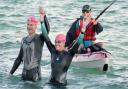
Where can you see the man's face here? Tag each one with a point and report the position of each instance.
(87, 14)
(31, 27)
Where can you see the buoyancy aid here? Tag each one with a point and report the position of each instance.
(89, 33)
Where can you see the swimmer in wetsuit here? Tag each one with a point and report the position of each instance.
(60, 58)
(31, 51)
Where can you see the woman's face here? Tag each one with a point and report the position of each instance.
(59, 45)
(31, 27)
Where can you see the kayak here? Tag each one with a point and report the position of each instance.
(99, 59)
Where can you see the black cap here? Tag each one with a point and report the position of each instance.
(86, 8)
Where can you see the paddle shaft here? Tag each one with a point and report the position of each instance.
(100, 14)
(105, 10)
(92, 22)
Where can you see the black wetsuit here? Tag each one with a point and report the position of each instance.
(60, 61)
(30, 53)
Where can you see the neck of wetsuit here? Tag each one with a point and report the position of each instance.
(59, 52)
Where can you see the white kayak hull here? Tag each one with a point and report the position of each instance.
(100, 59)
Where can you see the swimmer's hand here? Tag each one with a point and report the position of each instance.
(42, 13)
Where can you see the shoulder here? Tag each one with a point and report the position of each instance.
(77, 19)
(24, 38)
(37, 36)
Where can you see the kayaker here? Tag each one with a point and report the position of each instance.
(31, 51)
(87, 36)
(60, 58)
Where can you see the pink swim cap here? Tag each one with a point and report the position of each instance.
(33, 19)
(60, 37)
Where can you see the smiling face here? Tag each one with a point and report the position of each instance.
(59, 45)
(31, 27)
(60, 42)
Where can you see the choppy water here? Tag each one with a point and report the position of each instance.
(61, 13)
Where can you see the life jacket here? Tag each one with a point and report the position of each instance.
(89, 33)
